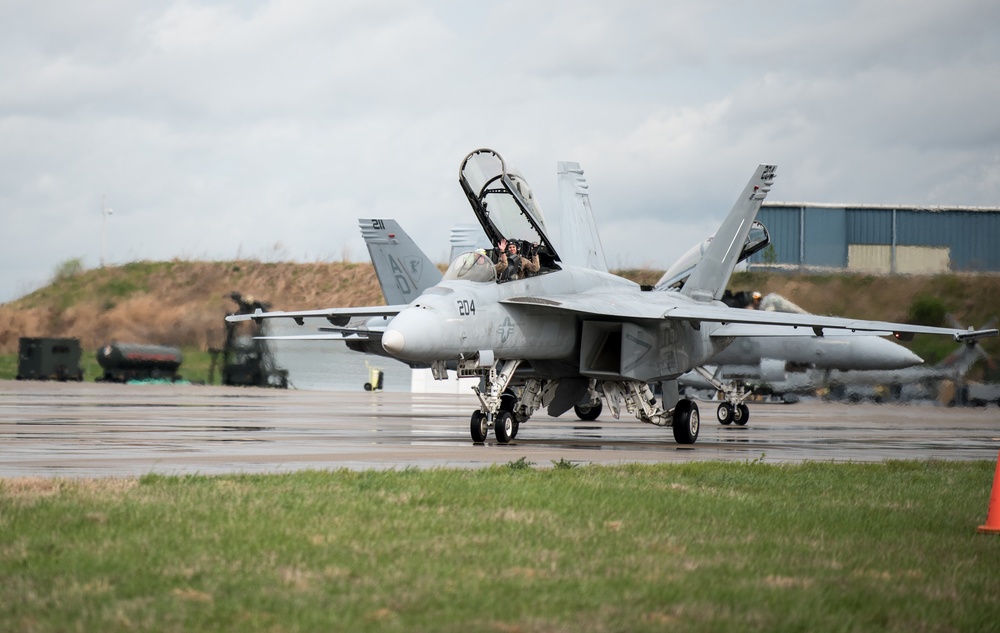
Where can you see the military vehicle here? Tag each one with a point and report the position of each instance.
(247, 360)
(49, 359)
(125, 362)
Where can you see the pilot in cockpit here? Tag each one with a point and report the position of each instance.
(513, 265)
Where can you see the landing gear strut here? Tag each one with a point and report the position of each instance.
(497, 402)
(734, 408)
(729, 413)
(684, 418)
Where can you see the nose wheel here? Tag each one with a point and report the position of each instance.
(729, 413)
(505, 426)
(480, 427)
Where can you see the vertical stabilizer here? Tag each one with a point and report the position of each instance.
(580, 242)
(403, 271)
(709, 278)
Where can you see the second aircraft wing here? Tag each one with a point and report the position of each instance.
(648, 306)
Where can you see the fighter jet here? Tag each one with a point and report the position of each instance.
(748, 360)
(791, 360)
(908, 383)
(575, 329)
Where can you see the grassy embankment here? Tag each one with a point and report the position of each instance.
(177, 303)
(696, 547)
(183, 303)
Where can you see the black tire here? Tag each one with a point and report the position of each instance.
(741, 415)
(479, 427)
(687, 422)
(368, 386)
(503, 426)
(589, 412)
(725, 413)
(508, 402)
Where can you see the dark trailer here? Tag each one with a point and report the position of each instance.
(123, 362)
(49, 359)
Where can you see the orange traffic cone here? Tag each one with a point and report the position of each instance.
(993, 513)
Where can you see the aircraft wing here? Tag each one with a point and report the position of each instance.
(757, 329)
(816, 323)
(336, 316)
(733, 320)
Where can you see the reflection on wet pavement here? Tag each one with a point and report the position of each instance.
(92, 430)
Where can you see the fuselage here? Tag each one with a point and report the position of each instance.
(459, 318)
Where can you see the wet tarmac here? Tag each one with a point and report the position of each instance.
(98, 430)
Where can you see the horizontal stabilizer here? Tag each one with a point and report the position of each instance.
(336, 316)
(305, 337)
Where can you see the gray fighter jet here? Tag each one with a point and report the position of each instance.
(748, 360)
(577, 331)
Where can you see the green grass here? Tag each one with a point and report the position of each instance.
(194, 368)
(694, 547)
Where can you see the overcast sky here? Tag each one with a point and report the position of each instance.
(219, 130)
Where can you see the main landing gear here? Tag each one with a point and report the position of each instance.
(684, 419)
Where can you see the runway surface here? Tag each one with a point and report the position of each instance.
(98, 430)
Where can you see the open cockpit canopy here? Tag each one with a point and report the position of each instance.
(504, 204)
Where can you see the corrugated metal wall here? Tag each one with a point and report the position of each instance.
(783, 226)
(822, 235)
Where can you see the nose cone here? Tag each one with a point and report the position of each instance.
(417, 334)
(880, 353)
(393, 342)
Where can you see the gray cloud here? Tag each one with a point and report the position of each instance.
(218, 129)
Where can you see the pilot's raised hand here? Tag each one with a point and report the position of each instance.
(503, 244)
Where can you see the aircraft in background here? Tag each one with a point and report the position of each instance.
(909, 383)
(944, 382)
(784, 361)
(572, 328)
(404, 272)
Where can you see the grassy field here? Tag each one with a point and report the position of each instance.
(694, 547)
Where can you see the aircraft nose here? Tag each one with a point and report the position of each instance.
(415, 334)
(393, 342)
(885, 354)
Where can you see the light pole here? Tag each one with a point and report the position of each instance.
(105, 212)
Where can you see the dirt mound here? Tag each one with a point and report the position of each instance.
(183, 303)
(176, 303)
